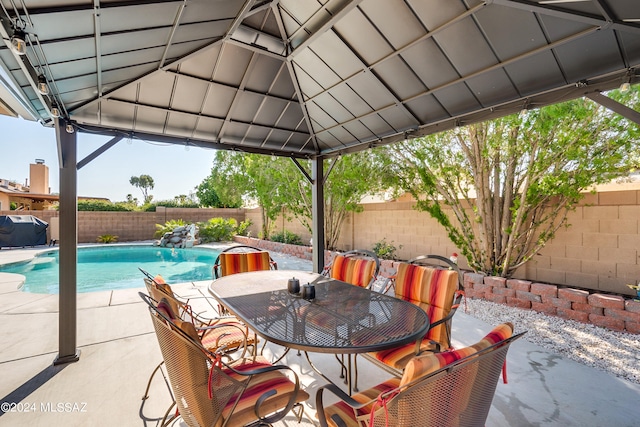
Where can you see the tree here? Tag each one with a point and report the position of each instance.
(208, 195)
(144, 183)
(350, 178)
(510, 183)
(237, 176)
(275, 183)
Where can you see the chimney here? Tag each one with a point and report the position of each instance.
(39, 177)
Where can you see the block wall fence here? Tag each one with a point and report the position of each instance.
(614, 312)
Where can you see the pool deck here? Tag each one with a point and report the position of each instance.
(119, 351)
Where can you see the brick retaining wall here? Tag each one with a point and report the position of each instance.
(613, 312)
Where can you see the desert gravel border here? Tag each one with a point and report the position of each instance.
(617, 353)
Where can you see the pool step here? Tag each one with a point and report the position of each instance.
(42, 262)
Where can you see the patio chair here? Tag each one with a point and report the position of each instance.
(452, 388)
(242, 259)
(438, 292)
(211, 392)
(358, 267)
(225, 334)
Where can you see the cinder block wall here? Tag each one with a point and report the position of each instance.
(599, 250)
(133, 226)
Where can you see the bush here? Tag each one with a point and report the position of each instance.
(243, 228)
(104, 205)
(107, 238)
(151, 206)
(217, 230)
(385, 250)
(287, 237)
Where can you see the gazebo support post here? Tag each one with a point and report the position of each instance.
(317, 213)
(67, 158)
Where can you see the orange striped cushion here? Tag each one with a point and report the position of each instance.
(230, 337)
(433, 290)
(356, 271)
(423, 365)
(398, 357)
(258, 384)
(232, 263)
(347, 413)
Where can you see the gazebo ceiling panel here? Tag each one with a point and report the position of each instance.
(465, 47)
(188, 95)
(394, 20)
(337, 55)
(598, 52)
(207, 128)
(317, 69)
(512, 33)
(266, 71)
(399, 78)
(435, 13)
(351, 99)
(201, 65)
(362, 37)
(218, 101)
(246, 106)
(232, 65)
(490, 87)
(427, 108)
(535, 73)
(430, 64)
(371, 90)
(457, 99)
(309, 77)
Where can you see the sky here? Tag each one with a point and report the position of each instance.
(174, 170)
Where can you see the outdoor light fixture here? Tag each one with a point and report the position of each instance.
(43, 87)
(626, 83)
(55, 111)
(18, 43)
(70, 128)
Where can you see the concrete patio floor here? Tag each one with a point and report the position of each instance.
(119, 351)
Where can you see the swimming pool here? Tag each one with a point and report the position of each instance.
(116, 267)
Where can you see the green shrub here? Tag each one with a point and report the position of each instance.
(151, 206)
(385, 250)
(287, 237)
(169, 226)
(104, 205)
(243, 228)
(217, 230)
(107, 238)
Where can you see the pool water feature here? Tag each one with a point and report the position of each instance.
(116, 267)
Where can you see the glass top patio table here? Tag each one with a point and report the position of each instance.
(342, 319)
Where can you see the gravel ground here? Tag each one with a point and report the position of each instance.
(615, 352)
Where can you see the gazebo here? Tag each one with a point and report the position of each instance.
(306, 79)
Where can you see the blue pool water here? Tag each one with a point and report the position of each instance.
(116, 267)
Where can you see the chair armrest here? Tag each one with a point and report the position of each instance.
(322, 417)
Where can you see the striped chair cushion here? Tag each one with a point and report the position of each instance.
(349, 415)
(229, 337)
(457, 397)
(423, 365)
(232, 263)
(356, 271)
(258, 384)
(433, 290)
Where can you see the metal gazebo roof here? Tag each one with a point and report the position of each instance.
(300, 78)
(307, 78)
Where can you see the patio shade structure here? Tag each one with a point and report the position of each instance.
(306, 79)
